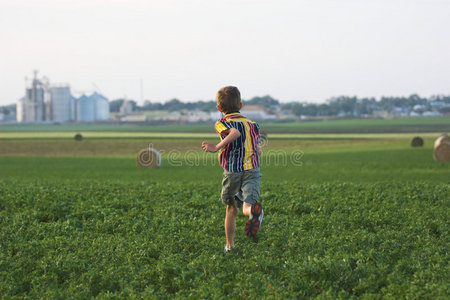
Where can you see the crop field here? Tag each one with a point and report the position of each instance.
(399, 125)
(346, 216)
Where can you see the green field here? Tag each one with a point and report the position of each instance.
(346, 216)
(406, 125)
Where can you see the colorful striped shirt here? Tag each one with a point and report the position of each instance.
(241, 154)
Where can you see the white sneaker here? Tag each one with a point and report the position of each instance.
(226, 249)
(260, 218)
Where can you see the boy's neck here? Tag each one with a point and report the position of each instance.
(232, 112)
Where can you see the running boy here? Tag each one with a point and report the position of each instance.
(239, 152)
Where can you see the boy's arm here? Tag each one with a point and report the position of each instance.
(232, 135)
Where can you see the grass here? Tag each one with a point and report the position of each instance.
(305, 161)
(362, 217)
(165, 240)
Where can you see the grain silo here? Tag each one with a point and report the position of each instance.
(73, 108)
(61, 104)
(85, 109)
(101, 106)
(20, 110)
(34, 109)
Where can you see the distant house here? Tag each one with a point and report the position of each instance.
(431, 114)
(255, 112)
(134, 117)
(201, 116)
(437, 104)
(379, 113)
(402, 111)
(418, 107)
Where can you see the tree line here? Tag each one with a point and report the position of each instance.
(343, 105)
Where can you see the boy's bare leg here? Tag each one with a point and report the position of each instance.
(246, 208)
(230, 224)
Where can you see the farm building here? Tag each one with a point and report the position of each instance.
(255, 112)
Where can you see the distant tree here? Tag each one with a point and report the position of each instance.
(305, 109)
(323, 109)
(297, 109)
(266, 101)
(310, 110)
(151, 106)
(444, 110)
(207, 106)
(134, 105)
(350, 106)
(174, 105)
(365, 106)
(5, 111)
(114, 105)
(445, 99)
(288, 105)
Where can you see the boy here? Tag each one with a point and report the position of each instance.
(239, 152)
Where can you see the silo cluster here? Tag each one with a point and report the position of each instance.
(54, 103)
(92, 108)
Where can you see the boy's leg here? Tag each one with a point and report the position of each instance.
(230, 224)
(231, 184)
(251, 208)
(246, 208)
(251, 181)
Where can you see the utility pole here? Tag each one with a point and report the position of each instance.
(142, 92)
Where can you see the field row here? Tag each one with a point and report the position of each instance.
(405, 125)
(183, 135)
(58, 144)
(352, 162)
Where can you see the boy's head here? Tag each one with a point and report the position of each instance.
(228, 99)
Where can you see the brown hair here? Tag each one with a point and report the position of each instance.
(229, 99)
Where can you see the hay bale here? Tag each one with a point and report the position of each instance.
(442, 148)
(78, 137)
(263, 139)
(148, 158)
(417, 142)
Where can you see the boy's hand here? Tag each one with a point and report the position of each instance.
(209, 147)
(259, 149)
(232, 135)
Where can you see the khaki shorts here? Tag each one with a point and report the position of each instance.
(241, 186)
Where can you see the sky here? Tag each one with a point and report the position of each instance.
(293, 50)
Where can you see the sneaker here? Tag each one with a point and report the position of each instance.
(255, 220)
(226, 249)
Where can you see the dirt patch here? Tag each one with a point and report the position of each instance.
(97, 147)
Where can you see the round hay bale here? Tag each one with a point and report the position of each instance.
(148, 158)
(417, 142)
(442, 148)
(263, 139)
(78, 137)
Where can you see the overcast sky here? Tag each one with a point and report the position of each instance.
(187, 49)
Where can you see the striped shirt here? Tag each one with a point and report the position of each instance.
(241, 154)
